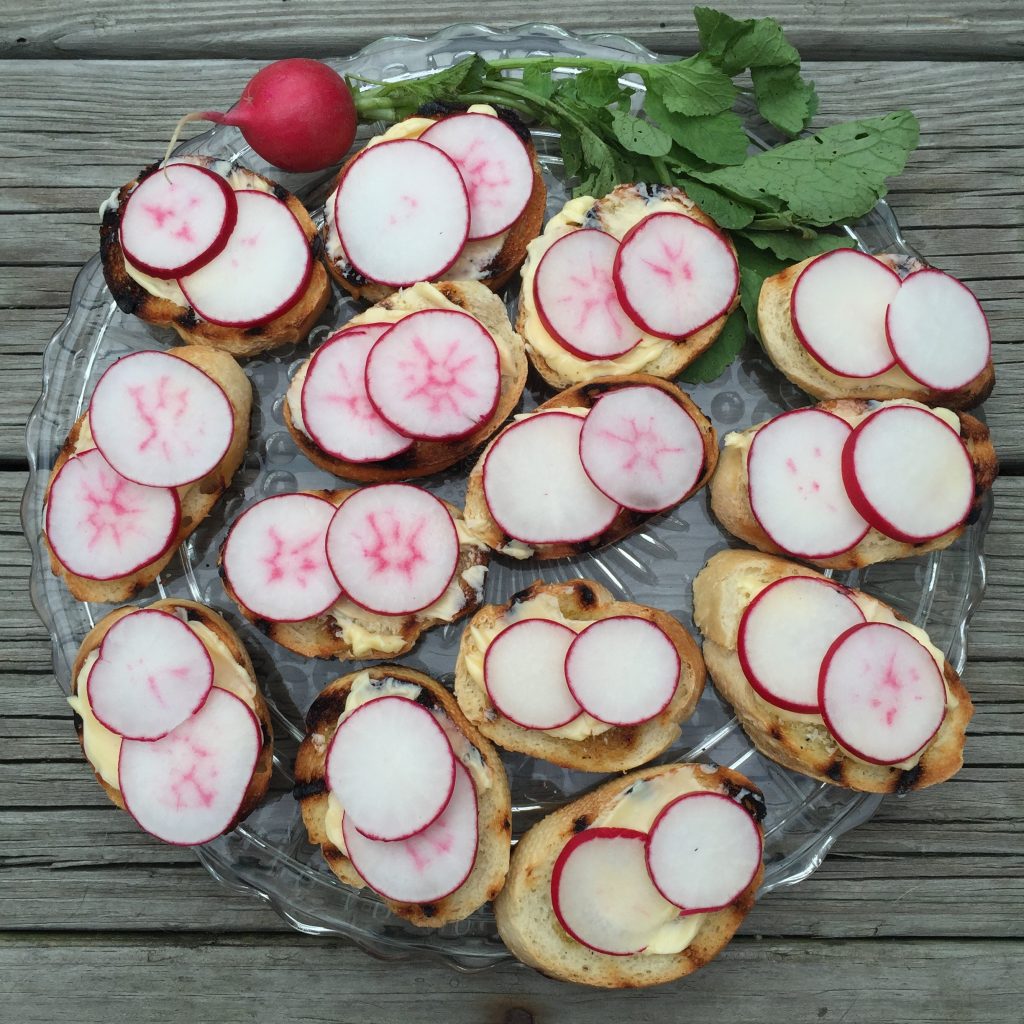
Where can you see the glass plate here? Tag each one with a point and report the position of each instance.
(268, 855)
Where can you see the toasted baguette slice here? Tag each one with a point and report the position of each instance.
(196, 498)
(583, 396)
(427, 457)
(211, 620)
(620, 747)
(789, 355)
(721, 592)
(291, 326)
(494, 808)
(730, 492)
(500, 266)
(527, 922)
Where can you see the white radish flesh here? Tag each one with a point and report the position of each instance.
(838, 309)
(393, 548)
(402, 212)
(391, 767)
(642, 449)
(881, 693)
(797, 493)
(674, 275)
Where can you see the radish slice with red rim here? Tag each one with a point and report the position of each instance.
(435, 376)
(909, 474)
(937, 331)
(393, 548)
(391, 767)
(402, 212)
(262, 271)
(188, 787)
(838, 309)
(641, 448)
(797, 494)
(275, 558)
(429, 865)
(101, 526)
(535, 485)
(703, 850)
(336, 410)
(576, 300)
(495, 167)
(151, 674)
(881, 693)
(159, 420)
(524, 674)
(674, 275)
(177, 220)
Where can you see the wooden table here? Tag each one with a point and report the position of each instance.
(917, 916)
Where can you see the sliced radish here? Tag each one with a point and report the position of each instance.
(187, 787)
(784, 634)
(402, 212)
(796, 484)
(703, 850)
(336, 411)
(937, 330)
(393, 548)
(908, 474)
(102, 526)
(673, 275)
(881, 693)
(623, 670)
(838, 309)
(524, 674)
(435, 375)
(159, 420)
(152, 673)
(261, 273)
(641, 448)
(177, 220)
(391, 767)
(429, 865)
(576, 299)
(535, 485)
(276, 561)
(495, 167)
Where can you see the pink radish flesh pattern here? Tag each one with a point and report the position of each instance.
(391, 767)
(262, 271)
(429, 865)
(623, 670)
(276, 561)
(393, 548)
(784, 635)
(495, 167)
(159, 420)
(435, 375)
(152, 673)
(703, 850)
(642, 449)
(797, 494)
(102, 526)
(674, 275)
(937, 331)
(402, 212)
(187, 787)
(576, 300)
(881, 693)
(524, 674)
(838, 310)
(908, 474)
(336, 410)
(535, 485)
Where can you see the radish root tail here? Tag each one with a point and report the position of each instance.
(197, 116)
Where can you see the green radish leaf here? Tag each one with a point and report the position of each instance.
(711, 363)
(784, 98)
(755, 265)
(539, 81)
(793, 248)
(725, 212)
(714, 138)
(640, 136)
(693, 86)
(599, 88)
